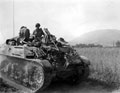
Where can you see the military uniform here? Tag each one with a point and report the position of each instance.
(38, 32)
(36, 42)
(24, 35)
(37, 37)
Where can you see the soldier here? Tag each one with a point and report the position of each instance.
(22, 31)
(24, 35)
(38, 32)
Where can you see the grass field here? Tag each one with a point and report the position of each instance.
(105, 64)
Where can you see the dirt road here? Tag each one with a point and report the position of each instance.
(89, 86)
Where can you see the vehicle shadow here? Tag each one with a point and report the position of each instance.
(88, 86)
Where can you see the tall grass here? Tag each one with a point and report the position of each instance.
(105, 64)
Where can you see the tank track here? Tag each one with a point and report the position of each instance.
(27, 82)
(5, 88)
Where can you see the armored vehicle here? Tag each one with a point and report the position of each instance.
(30, 68)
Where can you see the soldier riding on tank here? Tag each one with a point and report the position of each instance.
(22, 39)
(38, 32)
(24, 35)
(38, 35)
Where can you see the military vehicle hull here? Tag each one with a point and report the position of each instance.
(20, 69)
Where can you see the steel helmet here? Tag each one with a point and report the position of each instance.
(37, 25)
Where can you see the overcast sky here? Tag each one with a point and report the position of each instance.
(64, 18)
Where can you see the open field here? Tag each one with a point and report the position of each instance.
(105, 64)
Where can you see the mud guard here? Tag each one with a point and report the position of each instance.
(47, 66)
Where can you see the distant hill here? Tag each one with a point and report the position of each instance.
(106, 37)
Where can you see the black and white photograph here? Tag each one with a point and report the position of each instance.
(59, 46)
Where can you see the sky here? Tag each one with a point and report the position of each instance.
(63, 18)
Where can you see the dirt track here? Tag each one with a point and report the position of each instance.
(89, 86)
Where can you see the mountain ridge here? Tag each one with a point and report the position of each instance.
(105, 37)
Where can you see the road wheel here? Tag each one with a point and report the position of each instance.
(39, 80)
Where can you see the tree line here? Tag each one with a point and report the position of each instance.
(87, 45)
(80, 45)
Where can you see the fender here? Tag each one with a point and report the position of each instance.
(85, 60)
(47, 66)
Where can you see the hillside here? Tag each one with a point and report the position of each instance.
(106, 37)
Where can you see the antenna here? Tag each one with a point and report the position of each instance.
(13, 21)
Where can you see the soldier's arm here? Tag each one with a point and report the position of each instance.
(34, 32)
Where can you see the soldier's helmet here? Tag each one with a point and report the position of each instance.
(37, 25)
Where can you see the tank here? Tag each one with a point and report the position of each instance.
(29, 68)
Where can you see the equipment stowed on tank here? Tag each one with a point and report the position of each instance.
(30, 68)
